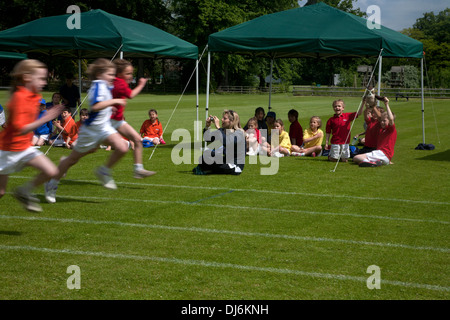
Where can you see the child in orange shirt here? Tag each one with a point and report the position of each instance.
(67, 127)
(29, 77)
(152, 129)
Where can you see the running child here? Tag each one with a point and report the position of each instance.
(96, 129)
(122, 90)
(29, 78)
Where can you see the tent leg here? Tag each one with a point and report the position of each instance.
(196, 92)
(423, 103)
(80, 82)
(379, 78)
(270, 84)
(207, 85)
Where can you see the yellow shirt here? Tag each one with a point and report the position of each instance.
(284, 140)
(309, 134)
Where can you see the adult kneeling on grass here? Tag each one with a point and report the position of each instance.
(228, 154)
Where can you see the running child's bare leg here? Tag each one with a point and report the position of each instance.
(3, 184)
(128, 132)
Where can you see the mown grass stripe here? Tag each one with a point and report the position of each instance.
(264, 191)
(228, 232)
(213, 264)
(254, 208)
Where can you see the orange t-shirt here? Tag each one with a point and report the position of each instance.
(70, 129)
(23, 109)
(151, 130)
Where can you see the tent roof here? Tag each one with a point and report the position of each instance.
(12, 55)
(317, 30)
(101, 35)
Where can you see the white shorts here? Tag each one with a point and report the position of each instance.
(116, 124)
(336, 149)
(12, 161)
(377, 155)
(42, 136)
(91, 137)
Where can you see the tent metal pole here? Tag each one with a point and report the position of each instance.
(270, 83)
(423, 103)
(196, 92)
(121, 55)
(207, 83)
(80, 82)
(379, 78)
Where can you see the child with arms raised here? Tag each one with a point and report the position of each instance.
(385, 142)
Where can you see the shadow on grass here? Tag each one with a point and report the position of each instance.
(10, 233)
(441, 156)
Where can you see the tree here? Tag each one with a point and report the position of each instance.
(432, 31)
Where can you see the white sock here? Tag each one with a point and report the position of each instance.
(138, 166)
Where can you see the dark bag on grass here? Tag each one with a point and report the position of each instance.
(424, 146)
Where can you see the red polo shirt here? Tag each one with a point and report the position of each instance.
(371, 133)
(296, 131)
(339, 127)
(386, 139)
(23, 109)
(121, 90)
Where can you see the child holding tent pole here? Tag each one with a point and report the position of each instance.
(386, 136)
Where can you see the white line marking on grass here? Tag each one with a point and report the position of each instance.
(228, 232)
(265, 191)
(270, 210)
(213, 264)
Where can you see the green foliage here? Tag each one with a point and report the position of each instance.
(433, 31)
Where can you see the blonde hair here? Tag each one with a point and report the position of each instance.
(22, 68)
(235, 122)
(338, 100)
(319, 121)
(98, 67)
(253, 120)
(280, 122)
(121, 65)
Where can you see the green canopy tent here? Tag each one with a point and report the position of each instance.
(12, 55)
(100, 34)
(318, 31)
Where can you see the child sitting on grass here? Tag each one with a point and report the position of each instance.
(312, 139)
(284, 142)
(253, 137)
(386, 138)
(151, 129)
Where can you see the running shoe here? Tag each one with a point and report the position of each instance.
(50, 192)
(142, 173)
(28, 201)
(105, 178)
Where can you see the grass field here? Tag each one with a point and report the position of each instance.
(304, 233)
